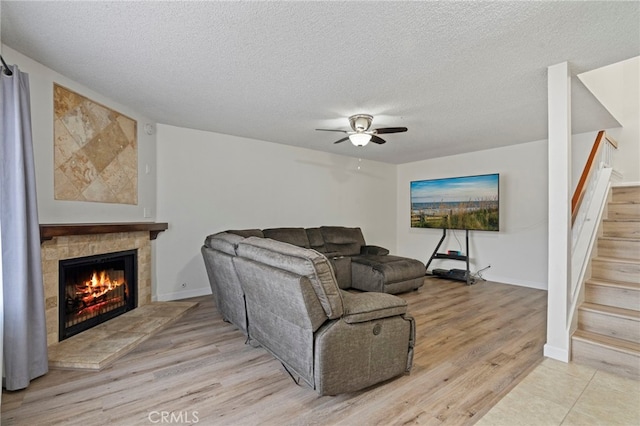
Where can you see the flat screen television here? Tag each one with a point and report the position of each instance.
(468, 202)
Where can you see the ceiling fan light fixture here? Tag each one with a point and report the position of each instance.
(360, 139)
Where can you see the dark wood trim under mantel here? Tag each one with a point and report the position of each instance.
(48, 231)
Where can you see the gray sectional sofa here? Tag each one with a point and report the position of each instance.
(356, 264)
(287, 299)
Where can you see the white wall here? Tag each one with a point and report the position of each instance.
(210, 182)
(617, 87)
(41, 81)
(518, 252)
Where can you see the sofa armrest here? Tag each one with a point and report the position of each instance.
(374, 250)
(364, 307)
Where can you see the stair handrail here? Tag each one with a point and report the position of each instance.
(589, 167)
(587, 209)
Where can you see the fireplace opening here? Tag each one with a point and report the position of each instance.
(94, 289)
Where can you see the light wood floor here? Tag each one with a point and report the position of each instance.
(474, 344)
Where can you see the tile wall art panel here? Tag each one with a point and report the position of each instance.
(95, 151)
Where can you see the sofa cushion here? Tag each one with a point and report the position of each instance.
(342, 240)
(393, 268)
(315, 239)
(375, 250)
(301, 261)
(246, 233)
(342, 269)
(223, 242)
(363, 307)
(295, 236)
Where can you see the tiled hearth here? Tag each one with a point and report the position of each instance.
(98, 347)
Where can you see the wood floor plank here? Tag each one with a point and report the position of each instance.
(474, 344)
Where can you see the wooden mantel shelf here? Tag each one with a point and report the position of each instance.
(48, 231)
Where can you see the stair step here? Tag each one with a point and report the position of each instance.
(621, 228)
(623, 210)
(613, 269)
(618, 247)
(629, 194)
(610, 321)
(606, 353)
(613, 293)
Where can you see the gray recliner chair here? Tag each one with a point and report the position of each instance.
(333, 340)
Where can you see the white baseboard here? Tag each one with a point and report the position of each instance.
(178, 295)
(521, 283)
(556, 353)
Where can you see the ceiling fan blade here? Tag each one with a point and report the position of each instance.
(332, 130)
(384, 130)
(378, 140)
(342, 140)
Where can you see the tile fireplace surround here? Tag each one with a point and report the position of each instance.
(69, 241)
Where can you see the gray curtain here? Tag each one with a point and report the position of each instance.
(25, 332)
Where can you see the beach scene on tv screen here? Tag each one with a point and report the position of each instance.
(469, 202)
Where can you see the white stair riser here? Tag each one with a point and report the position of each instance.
(609, 325)
(611, 296)
(615, 271)
(623, 249)
(602, 358)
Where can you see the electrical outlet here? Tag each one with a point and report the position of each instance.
(146, 212)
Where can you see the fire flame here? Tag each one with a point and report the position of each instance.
(97, 286)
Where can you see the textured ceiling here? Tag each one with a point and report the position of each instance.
(462, 76)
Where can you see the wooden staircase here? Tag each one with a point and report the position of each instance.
(608, 333)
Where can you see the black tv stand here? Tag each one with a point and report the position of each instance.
(453, 274)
